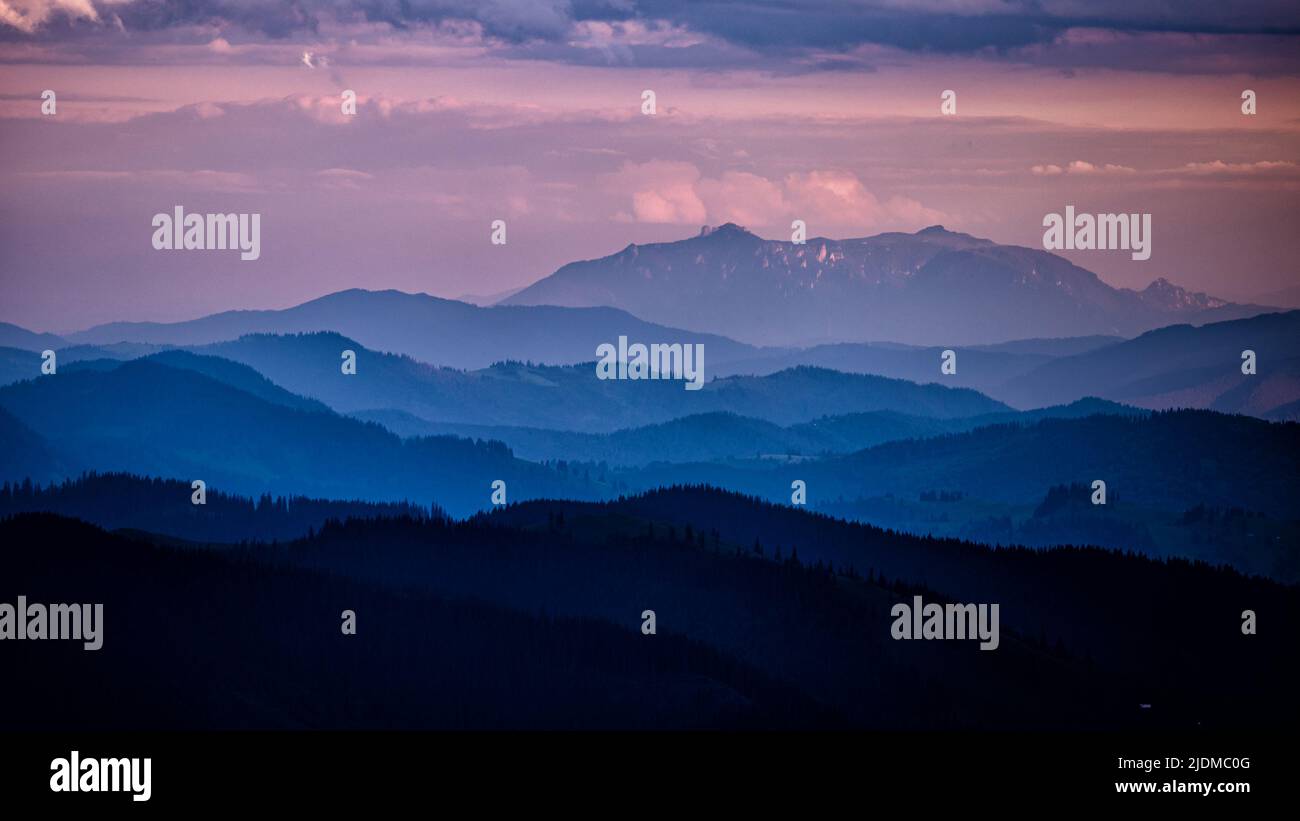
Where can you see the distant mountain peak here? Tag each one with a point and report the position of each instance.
(953, 239)
(935, 286)
(1167, 296)
(727, 230)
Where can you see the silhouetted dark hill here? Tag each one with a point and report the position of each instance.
(573, 398)
(934, 287)
(1087, 598)
(440, 331)
(1118, 610)
(148, 418)
(785, 608)
(1290, 412)
(121, 501)
(239, 640)
(1178, 366)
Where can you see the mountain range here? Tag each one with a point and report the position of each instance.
(1229, 499)
(934, 287)
(1182, 365)
(13, 336)
(1239, 461)
(572, 397)
(732, 289)
(185, 415)
(1178, 366)
(724, 436)
(984, 368)
(441, 331)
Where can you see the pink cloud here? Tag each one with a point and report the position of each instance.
(1082, 167)
(744, 198)
(830, 201)
(661, 191)
(29, 15)
(835, 202)
(1221, 167)
(189, 179)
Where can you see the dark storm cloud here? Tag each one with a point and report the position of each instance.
(774, 34)
(511, 21)
(959, 26)
(939, 25)
(783, 27)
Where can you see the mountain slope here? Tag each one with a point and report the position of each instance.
(934, 287)
(237, 376)
(13, 336)
(148, 418)
(1117, 609)
(723, 436)
(573, 398)
(121, 501)
(17, 364)
(440, 331)
(981, 368)
(233, 640)
(1237, 462)
(24, 454)
(751, 635)
(1290, 412)
(1178, 366)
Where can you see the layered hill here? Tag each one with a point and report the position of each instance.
(440, 331)
(573, 398)
(1178, 366)
(153, 419)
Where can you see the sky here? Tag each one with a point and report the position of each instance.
(531, 113)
